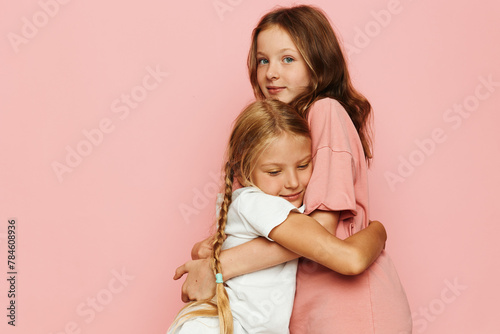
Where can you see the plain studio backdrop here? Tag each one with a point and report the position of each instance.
(114, 118)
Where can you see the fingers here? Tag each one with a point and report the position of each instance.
(184, 294)
(199, 283)
(196, 250)
(180, 271)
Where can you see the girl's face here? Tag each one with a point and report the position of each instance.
(282, 73)
(284, 168)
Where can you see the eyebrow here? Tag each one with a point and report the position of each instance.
(287, 49)
(279, 51)
(307, 158)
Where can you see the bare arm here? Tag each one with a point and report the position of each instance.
(304, 236)
(260, 253)
(251, 256)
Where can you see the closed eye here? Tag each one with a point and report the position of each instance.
(304, 166)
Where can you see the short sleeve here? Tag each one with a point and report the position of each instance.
(331, 187)
(262, 212)
(334, 139)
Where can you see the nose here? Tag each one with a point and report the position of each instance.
(272, 71)
(292, 180)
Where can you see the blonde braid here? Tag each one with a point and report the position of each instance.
(207, 308)
(223, 307)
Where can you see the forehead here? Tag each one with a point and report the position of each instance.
(274, 38)
(286, 148)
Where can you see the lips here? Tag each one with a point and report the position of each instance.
(292, 197)
(273, 90)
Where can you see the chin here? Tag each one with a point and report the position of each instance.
(284, 99)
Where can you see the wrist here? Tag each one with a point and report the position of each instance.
(227, 266)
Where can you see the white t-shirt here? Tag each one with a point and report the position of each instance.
(261, 301)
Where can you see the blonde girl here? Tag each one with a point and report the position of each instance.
(269, 154)
(295, 57)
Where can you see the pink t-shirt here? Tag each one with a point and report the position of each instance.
(325, 301)
(339, 181)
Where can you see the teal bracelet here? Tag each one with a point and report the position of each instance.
(218, 278)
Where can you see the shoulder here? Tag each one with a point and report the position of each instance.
(326, 106)
(258, 211)
(328, 102)
(252, 199)
(331, 126)
(247, 192)
(328, 113)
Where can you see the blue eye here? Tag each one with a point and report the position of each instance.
(288, 60)
(262, 61)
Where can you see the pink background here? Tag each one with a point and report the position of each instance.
(98, 241)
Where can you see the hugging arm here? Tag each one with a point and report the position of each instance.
(304, 236)
(259, 253)
(361, 248)
(249, 257)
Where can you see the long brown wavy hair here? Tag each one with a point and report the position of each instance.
(313, 35)
(254, 129)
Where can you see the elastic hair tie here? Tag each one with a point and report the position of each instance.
(218, 278)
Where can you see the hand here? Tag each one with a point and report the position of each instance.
(202, 249)
(200, 281)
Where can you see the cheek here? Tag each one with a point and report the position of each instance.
(307, 177)
(262, 90)
(271, 186)
(305, 79)
(260, 75)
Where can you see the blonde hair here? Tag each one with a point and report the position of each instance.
(313, 35)
(254, 129)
